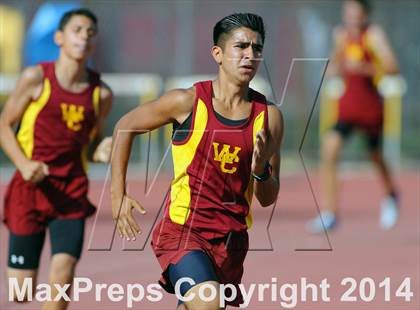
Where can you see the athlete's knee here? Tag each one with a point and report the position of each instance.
(204, 296)
(331, 146)
(379, 162)
(203, 305)
(181, 307)
(62, 267)
(21, 284)
(376, 156)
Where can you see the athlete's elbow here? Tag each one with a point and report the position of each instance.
(394, 70)
(3, 123)
(121, 124)
(4, 126)
(125, 125)
(391, 68)
(266, 203)
(267, 200)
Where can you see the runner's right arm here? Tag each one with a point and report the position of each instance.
(335, 62)
(174, 105)
(28, 88)
(383, 50)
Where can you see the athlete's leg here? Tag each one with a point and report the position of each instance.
(330, 152)
(200, 277)
(66, 246)
(204, 288)
(23, 262)
(389, 207)
(331, 148)
(61, 273)
(181, 307)
(384, 172)
(374, 144)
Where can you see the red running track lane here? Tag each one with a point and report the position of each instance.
(359, 247)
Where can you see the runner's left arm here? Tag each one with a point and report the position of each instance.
(102, 148)
(267, 149)
(383, 50)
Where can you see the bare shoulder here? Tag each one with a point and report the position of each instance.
(30, 83)
(274, 112)
(339, 33)
(106, 92)
(275, 123)
(28, 88)
(376, 32)
(180, 99)
(32, 75)
(375, 29)
(339, 30)
(182, 95)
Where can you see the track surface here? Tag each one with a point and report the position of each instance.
(359, 248)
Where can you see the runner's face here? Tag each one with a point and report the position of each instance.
(78, 37)
(242, 54)
(354, 16)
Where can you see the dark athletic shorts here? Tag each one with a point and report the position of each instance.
(219, 259)
(203, 271)
(373, 138)
(29, 207)
(66, 236)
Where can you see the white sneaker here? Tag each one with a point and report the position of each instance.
(327, 221)
(389, 213)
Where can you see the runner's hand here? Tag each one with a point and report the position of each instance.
(103, 151)
(122, 213)
(33, 171)
(261, 153)
(359, 67)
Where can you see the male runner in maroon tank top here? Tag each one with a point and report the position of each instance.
(361, 56)
(225, 148)
(60, 108)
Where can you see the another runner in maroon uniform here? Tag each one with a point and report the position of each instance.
(225, 148)
(60, 107)
(361, 55)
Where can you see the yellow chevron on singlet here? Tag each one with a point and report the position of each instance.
(26, 134)
(96, 100)
(258, 125)
(371, 50)
(182, 156)
(356, 52)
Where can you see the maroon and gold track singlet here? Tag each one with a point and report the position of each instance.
(361, 103)
(208, 207)
(212, 187)
(55, 129)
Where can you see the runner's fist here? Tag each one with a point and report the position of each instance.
(261, 153)
(34, 171)
(103, 151)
